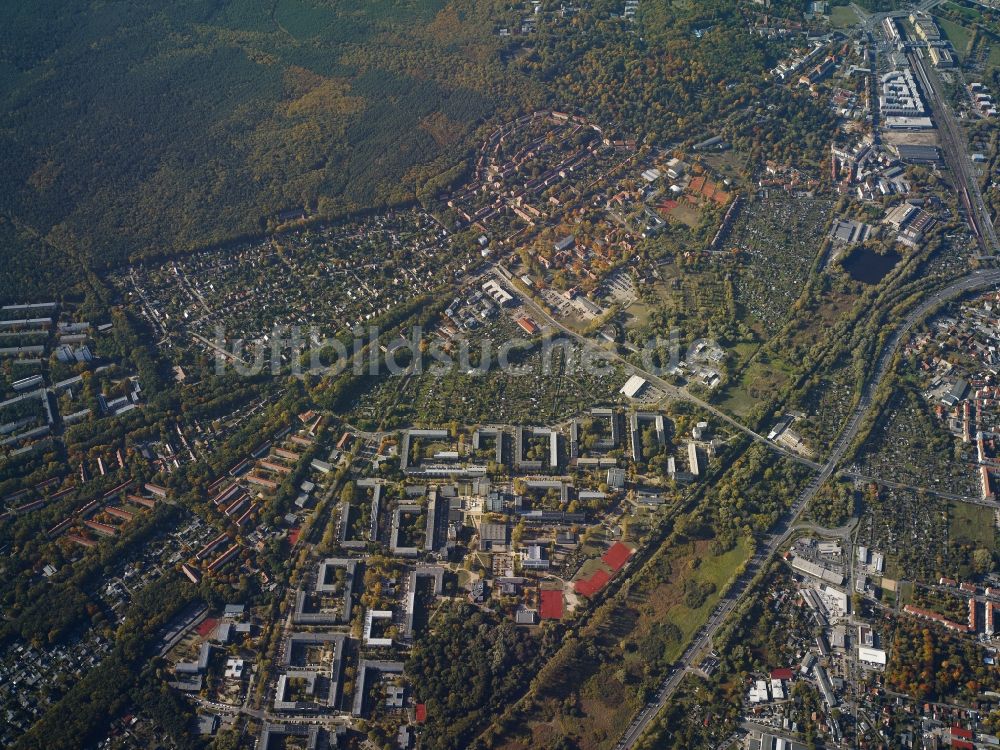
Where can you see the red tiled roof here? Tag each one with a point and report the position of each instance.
(617, 556)
(590, 586)
(528, 325)
(207, 626)
(552, 604)
(293, 536)
(784, 673)
(421, 713)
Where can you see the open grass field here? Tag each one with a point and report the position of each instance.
(638, 636)
(640, 312)
(744, 350)
(594, 542)
(636, 315)
(972, 524)
(959, 36)
(685, 214)
(736, 400)
(842, 17)
(760, 381)
(734, 396)
(970, 14)
(715, 571)
(904, 594)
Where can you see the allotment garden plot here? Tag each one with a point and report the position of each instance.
(777, 241)
(907, 446)
(335, 279)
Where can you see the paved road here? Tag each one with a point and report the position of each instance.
(785, 527)
(915, 488)
(956, 156)
(842, 532)
(952, 141)
(765, 729)
(869, 20)
(666, 386)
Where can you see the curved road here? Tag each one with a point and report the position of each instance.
(784, 528)
(841, 532)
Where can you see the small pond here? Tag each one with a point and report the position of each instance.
(868, 267)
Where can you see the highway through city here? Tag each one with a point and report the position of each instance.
(786, 526)
(982, 226)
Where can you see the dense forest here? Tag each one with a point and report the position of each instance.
(468, 668)
(930, 664)
(158, 128)
(119, 681)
